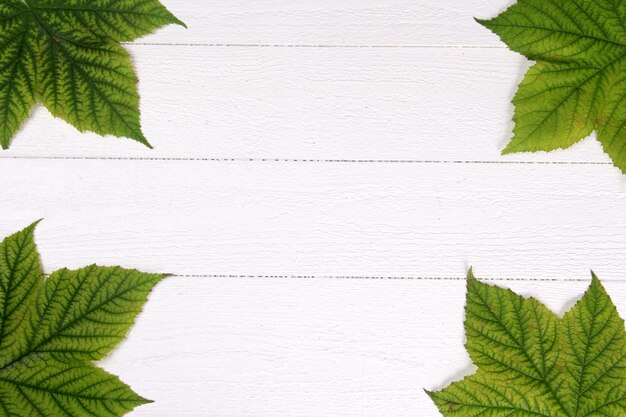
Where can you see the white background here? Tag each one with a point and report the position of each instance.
(324, 173)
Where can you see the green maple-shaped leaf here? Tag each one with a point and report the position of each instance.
(52, 329)
(532, 363)
(66, 53)
(578, 84)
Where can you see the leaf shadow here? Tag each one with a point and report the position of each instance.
(458, 376)
(568, 305)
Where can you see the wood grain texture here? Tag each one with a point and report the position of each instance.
(298, 103)
(332, 23)
(350, 147)
(197, 217)
(306, 348)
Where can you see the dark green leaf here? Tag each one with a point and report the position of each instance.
(66, 53)
(51, 330)
(531, 363)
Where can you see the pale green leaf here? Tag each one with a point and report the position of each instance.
(51, 329)
(531, 363)
(578, 83)
(66, 53)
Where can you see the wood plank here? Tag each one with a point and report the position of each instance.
(322, 219)
(306, 348)
(398, 104)
(329, 22)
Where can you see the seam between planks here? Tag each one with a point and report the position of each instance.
(377, 278)
(382, 278)
(294, 45)
(305, 160)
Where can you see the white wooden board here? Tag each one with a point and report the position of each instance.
(416, 105)
(345, 23)
(306, 348)
(324, 173)
(199, 217)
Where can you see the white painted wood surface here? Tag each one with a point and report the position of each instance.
(324, 173)
(414, 104)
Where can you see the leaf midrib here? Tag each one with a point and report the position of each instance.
(47, 31)
(543, 380)
(567, 97)
(96, 87)
(33, 349)
(589, 340)
(566, 32)
(64, 394)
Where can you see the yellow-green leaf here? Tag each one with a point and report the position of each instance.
(66, 54)
(578, 83)
(532, 363)
(52, 329)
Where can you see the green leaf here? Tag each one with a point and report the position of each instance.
(578, 83)
(66, 54)
(532, 363)
(52, 329)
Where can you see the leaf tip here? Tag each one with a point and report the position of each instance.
(482, 22)
(139, 137)
(596, 288)
(595, 281)
(470, 274)
(487, 23)
(509, 149)
(157, 279)
(31, 227)
(146, 143)
(160, 277)
(36, 223)
(172, 19)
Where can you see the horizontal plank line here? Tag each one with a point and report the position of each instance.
(381, 278)
(272, 45)
(375, 278)
(304, 160)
